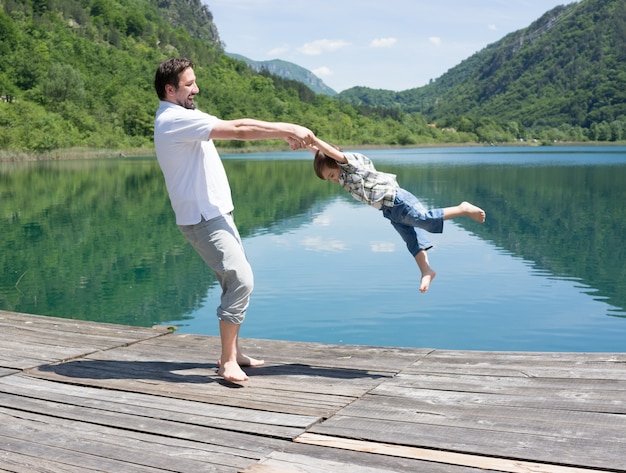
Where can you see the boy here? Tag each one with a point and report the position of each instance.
(356, 173)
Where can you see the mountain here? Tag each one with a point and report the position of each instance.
(568, 68)
(193, 16)
(79, 74)
(288, 70)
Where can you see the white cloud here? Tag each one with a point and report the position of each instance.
(382, 247)
(436, 40)
(320, 46)
(280, 240)
(322, 220)
(323, 245)
(383, 42)
(322, 72)
(277, 51)
(457, 29)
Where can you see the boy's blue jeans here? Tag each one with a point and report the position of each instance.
(411, 220)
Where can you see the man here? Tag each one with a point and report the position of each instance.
(200, 194)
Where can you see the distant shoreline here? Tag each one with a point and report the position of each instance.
(87, 153)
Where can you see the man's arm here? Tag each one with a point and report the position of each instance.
(251, 129)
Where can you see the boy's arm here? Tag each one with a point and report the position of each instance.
(328, 150)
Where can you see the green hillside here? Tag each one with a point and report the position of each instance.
(78, 75)
(565, 72)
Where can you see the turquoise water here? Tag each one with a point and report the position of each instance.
(96, 240)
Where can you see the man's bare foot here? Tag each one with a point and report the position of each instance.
(231, 371)
(427, 278)
(473, 212)
(245, 360)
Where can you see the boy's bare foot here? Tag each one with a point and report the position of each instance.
(473, 212)
(427, 278)
(231, 371)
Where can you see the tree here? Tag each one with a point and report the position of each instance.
(64, 83)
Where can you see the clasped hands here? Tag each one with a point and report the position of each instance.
(295, 143)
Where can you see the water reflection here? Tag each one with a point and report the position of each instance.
(567, 220)
(96, 240)
(483, 298)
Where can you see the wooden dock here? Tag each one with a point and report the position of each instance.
(87, 397)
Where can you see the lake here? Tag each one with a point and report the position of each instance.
(96, 240)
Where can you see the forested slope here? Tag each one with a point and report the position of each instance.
(565, 71)
(79, 74)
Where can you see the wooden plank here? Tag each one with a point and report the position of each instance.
(482, 462)
(385, 361)
(152, 422)
(114, 449)
(132, 427)
(576, 398)
(54, 339)
(358, 458)
(323, 459)
(208, 389)
(7, 372)
(15, 321)
(11, 462)
(280, 462)
(258, 468)
(520, 385)
(524, 358)
(31, 341)
(40, 457)
(158, 366)
(24, 354)
(602, 453)
(134, 362)
(570, 365)
(528, 420)
(125, 409)
(481, 391)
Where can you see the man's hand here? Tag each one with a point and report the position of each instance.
(295, 144)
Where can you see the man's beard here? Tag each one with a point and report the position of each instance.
(189, 104)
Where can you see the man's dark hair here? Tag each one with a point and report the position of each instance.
(169, 72)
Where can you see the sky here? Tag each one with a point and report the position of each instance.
(383, 44)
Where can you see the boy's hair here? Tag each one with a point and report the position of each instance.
(169, 72)
(321, 161)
